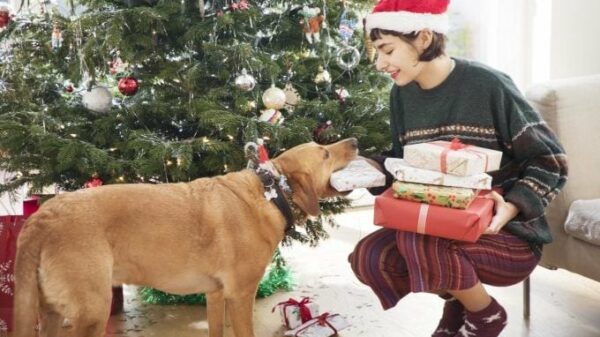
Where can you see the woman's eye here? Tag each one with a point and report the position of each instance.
(389, 52)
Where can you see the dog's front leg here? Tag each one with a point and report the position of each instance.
(215, 310)
(241, 310)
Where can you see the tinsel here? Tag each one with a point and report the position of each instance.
(278, 278)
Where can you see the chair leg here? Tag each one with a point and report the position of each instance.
(526, 298)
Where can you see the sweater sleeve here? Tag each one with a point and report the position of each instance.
(396, 150)
(535, 150)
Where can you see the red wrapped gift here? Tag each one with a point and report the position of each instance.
(458, 224)
(10, 226)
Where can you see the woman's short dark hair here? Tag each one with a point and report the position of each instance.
(435, 49)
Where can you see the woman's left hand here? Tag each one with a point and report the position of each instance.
(504, 212)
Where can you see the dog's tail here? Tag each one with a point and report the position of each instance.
(26, 301)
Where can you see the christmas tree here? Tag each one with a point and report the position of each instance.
(156, 91)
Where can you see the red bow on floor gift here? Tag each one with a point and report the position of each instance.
(305, 314)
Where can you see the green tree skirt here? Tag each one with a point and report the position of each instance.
(278, 278)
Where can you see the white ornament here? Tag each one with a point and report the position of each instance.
(99, 99)
(274, 98)
(245, 82)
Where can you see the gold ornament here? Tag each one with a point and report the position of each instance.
(274, 98)
(323, 76)
(369, 47)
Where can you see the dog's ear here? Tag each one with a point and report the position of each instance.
(305, 194)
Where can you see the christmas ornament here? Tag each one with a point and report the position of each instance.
(117, 66)
(323, 77)
(323, 135)
(292, 97)
(369, 46)
(312, 22)
(342, 94)
(69, 88)
(407, 16)
(274, 98)
(347, 56)
(98, 99)
(56, 37)
(244, 5)
(5, 14)
(94, 182)
(128, 86)
(263, 154)
(245, 81)
(271, 116)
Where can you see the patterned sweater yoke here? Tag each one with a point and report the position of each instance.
(483, 107)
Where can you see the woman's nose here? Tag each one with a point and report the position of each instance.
(380, 64)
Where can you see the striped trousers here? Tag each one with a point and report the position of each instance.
(394, 263)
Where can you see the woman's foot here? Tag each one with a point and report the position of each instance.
(488, 322)
(452, 318)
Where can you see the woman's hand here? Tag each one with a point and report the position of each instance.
(504, 212)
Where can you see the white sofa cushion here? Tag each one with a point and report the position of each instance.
(583, 221)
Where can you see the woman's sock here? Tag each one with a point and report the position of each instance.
(488, 322)
(452, 318)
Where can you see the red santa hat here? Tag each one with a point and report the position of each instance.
(407, 16)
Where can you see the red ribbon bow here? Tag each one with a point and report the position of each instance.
(305, 314)
(455, 145)
(322, 321)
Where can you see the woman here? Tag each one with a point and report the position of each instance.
(436, 97)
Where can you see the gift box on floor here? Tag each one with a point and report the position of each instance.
(359, 173)
(452, 157)
(458, 224)
(402, 171)
(324, 325)
(454, 197)
(294, 313)
(10, 226)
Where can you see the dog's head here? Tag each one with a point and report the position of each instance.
(308, 168)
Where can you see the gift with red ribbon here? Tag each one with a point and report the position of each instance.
(458, 224)
(10, 226)
(452, 157)
(324, 325)
(294, 313)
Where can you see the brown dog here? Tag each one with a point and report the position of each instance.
(212, 235)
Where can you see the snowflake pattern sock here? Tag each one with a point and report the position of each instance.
(452, 318)
(488, 322)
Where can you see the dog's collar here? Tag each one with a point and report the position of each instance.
(277, 190)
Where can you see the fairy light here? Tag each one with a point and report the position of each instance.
(74, 135)
(169, 163)
(205, 140)
(121, 178)
(230, 137)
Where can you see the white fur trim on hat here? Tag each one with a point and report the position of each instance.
(407, 22)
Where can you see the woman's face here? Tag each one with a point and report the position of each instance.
(398, 58)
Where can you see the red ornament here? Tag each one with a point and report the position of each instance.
(244, 5)
(94, 182)
(4, 18)
(263, 155)
(234, 6)
(128, 86)
(69, 88)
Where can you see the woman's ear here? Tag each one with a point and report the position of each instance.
(425, 38)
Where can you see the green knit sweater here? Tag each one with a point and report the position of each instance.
(482, 107)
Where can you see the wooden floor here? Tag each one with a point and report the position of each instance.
(563, 304)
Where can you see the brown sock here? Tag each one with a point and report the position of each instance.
(488, 322)
(452, 318)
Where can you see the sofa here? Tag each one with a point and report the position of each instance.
(571, 107)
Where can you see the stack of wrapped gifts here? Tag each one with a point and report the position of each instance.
(438, 190)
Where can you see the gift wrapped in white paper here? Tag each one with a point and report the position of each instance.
(293, 313)
(452, 157)
(358, 174)
(400, 169)
(323, 326)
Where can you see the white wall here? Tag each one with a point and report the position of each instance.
(575, 38)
